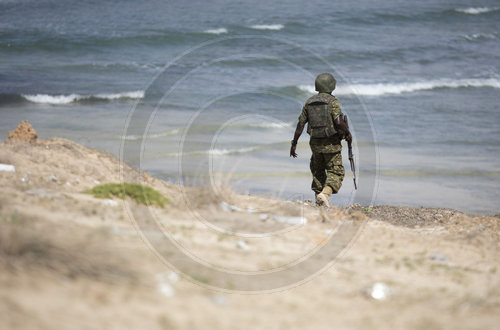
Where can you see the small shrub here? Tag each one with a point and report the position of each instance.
(141, 194)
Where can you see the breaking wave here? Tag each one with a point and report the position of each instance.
(212, 152)
(399, 88)
(152, 135)
(271, 125)
(479, 36)
(72, 98)
(275, 27)
(216, 31)
(476, 10)
(223, 152)
(428, 173)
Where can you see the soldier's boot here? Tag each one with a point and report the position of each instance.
(323, 196)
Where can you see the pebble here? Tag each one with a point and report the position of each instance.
(117, 231)
(219, 300)
(229, 208)
(165, 289)
(330, 231)
(110, 202)
(164, 283)
(439, 257)
(263, 217)
(173, 277)
(242, 245)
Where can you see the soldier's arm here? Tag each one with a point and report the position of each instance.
(338, 121)
(298, 131)
(342, 127)
(300, 125)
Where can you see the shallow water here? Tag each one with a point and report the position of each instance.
(420, 84)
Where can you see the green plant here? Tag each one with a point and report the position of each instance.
(368, 210)
(141, 194)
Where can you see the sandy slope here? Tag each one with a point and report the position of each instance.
(69, 260)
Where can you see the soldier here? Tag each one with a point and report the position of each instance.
(327, 129)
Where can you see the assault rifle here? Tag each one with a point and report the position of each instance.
(351, 156)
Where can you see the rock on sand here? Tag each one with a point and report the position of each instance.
(24, 132)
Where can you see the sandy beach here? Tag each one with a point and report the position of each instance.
(70, 260)
(147, 179)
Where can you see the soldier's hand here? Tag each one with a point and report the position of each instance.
(292, 151)
(348, 137)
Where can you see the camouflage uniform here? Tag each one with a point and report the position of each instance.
(326, 160)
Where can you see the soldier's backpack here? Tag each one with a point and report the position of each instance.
(320, 120)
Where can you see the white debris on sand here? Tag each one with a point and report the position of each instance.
(229, 208)
(290, 220)
(164, 283)
(379, 291)
(225, 207)
(7, 168)
(40, 193)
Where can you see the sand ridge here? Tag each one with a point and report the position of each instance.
(63, 250)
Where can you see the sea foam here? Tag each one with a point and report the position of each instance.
(409, 87)
(71, 98)
(223, 152)
(216, 31)
(271, 125)
(172, 132)
(52, 99)
(267, 27)
(214, 152)
(479, 36)
(476, 10)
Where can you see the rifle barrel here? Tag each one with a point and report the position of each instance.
(351, 156)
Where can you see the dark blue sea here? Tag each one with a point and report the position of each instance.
(211, 90)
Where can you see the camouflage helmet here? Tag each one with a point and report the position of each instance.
(325, 83)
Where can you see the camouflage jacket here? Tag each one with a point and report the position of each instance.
(324, 145)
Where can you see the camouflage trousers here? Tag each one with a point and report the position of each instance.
(327, 170)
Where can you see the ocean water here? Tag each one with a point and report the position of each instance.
(194, 91)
